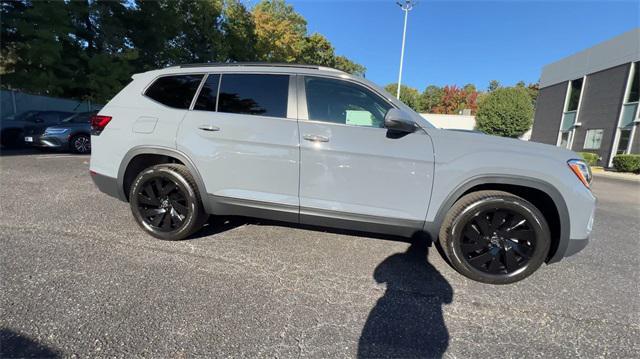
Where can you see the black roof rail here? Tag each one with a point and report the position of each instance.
(266, 64)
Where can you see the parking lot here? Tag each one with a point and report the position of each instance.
(78, 277)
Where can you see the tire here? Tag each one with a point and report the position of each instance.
(165, 202)
(80, 144)
(495, 237)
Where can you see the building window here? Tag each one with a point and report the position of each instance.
(574, 95)
(629, 115)
(570, 114)
(593, 140)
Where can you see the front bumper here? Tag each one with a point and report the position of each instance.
(48, 141)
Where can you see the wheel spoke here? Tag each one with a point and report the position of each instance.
(483, 224)
(510, 260)
(522, 252)
(175, 217)
(181, 209)
(473, 246)
(523, 235)
(152, 212)
(471, 232)
(498, 220)
(158, 219)
(168, 188)
(148, 191)
(494, 265)
(148, 201)
(166, 222)
(481, 259)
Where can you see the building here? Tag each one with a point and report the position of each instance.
(588, 102)
(457, 122)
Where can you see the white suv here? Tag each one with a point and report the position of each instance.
(315, 145)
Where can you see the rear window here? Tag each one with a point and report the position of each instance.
(253, 94)
(174, 91)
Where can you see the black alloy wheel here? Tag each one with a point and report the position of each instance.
(495, 237)
(162, 204)
(165, 202)
(81, 144)
(497, 241)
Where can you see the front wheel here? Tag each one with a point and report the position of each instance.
(165, 202)
(495, 237)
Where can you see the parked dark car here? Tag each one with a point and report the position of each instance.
(72, 133)
(14, 129)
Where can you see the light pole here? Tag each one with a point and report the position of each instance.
(406, 6)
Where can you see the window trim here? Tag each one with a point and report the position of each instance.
(576, 120)
(144, 90)
(616, 139)
(303, 112)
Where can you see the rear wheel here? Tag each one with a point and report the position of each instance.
(81, 144)
(495, 237)
(165, 202)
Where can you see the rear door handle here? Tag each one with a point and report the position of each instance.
(316, 138)
(209, 128)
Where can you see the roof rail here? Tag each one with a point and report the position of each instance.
(266, 64)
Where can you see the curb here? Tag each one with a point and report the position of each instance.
(619, 176)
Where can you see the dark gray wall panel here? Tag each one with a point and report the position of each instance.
(548, 115)
(600, 108)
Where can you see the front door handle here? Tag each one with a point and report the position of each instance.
(209, 128)
(316, 138)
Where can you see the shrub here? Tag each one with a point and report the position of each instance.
(590, 158)
(627, 163)
(505, 112)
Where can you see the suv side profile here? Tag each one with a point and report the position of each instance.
(314, 145)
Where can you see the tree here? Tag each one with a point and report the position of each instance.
(317, 50)
(348, 66)
(239, 32)
(280, 31)
(430, 98)
(505, 112)
(408, 95)
(493, 85)
(452, 102)
(469, 88)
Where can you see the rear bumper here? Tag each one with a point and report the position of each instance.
(106, 184)
(49, 141)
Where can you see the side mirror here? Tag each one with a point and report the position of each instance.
(397, 121)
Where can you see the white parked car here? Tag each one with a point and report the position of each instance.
(315, 145)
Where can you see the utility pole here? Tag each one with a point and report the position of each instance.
(406, 6)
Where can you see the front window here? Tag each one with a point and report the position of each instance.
(343, 102)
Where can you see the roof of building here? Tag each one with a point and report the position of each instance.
(619, 50)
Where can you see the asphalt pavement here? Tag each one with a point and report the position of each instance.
(79, 278)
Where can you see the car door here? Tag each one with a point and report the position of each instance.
(353, 174)
(242, 134)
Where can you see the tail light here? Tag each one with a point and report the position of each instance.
(98, 123)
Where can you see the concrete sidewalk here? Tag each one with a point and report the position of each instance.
(599, 172)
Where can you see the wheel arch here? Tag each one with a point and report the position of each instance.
(141, 157)
(540, 193)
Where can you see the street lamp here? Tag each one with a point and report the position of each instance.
(406, 6)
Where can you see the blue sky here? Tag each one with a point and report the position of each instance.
(459, 42)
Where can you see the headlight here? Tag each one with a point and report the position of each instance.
(55, 131)
(582, 170)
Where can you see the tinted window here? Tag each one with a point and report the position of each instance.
(574, 95)
(174, 91)
(208, 95)
(264, 95)
(344, 102)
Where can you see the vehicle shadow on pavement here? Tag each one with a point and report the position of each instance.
(15, 345)
(407, 322)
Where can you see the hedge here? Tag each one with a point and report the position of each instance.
(590, 158)
(627, 163)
